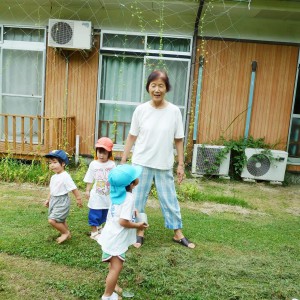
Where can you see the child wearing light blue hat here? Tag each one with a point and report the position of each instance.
(119, 231)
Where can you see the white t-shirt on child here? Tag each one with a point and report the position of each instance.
(156, 130)
(61, 184)
(115, 239)
(99, 194)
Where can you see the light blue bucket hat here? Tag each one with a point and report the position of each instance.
(119, 178)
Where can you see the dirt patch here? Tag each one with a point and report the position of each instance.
(293, 211)
(211, 208)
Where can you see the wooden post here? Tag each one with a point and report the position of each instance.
(22, 134)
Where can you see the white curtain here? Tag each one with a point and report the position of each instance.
(121, 78)
(122, 41)
(177, 71)
(22, 72)
(124, 75)
(169, 44)
(22, 79)
(23, 34)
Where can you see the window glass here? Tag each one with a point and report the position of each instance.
(294, 138)
(297, 98)
(177, 71)
(121, 78)
(22, 79)
(21, 106)
(114, 121)
(22, 72)
(168, 44)
(294, 145)
(123, 41)
(23, 34)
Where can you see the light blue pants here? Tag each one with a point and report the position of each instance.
(164, 183)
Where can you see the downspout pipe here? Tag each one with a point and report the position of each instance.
(250, 100)
(194, 51)
(197, 105)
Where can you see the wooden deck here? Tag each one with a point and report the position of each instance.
(31, 137)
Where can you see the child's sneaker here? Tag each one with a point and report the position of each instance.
(99, 228)
(113, 296)
(94, 235)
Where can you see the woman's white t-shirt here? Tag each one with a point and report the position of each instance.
(98, 173)
(156, 130)
(115, 239)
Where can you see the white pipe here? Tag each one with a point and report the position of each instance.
(77, 150)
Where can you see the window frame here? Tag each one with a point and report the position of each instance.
(146, 54)
(294, 160)
(1, 33)
(145, 49)
(24, 46)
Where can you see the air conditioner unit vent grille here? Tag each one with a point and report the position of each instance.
(264, 166)
(62, 32)
(206, 160)
(70, 34)
(210, 160)
(258, 165)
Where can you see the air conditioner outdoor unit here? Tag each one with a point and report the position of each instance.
(262, 166)
(69, 34)
(205, 160)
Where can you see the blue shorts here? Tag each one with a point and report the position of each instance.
(97, 216)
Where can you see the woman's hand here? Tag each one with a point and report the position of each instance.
(180, 173)
(128, 145)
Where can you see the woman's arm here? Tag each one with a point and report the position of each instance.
(180, 159)
(128, 145)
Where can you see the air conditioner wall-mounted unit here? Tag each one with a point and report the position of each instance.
(261, 166)
(70, 34)
(206, 160)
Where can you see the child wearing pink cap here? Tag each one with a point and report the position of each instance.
(97, 188)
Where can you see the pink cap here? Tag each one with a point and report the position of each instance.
(105, 143)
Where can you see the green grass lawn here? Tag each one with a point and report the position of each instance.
(249, 252)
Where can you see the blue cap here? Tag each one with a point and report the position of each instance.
(119, 178)
(58, 154)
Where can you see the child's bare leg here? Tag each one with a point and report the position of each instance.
(115, 267)
(94, 229)
(62, 228)
(65, 223)
(118, 289)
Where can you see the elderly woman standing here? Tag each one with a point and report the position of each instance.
(155, 126)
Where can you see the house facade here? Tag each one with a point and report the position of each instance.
(73, 71)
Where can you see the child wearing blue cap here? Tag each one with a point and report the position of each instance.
(58, 200)
(120, 228)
